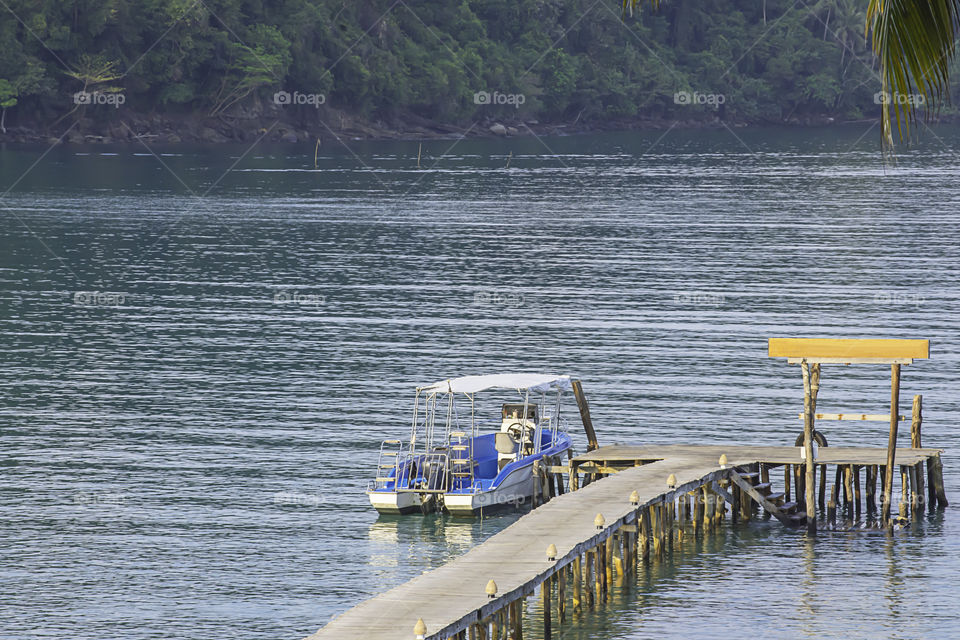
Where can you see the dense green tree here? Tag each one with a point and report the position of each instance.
(568, 59)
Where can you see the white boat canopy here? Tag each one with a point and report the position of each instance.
(536, 382)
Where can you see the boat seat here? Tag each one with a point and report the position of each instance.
(505, 444)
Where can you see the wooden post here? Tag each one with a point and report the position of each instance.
(588, 579)
(697, 512)
(832, 503)
(892, 444)
(618, 553)
(608, 562)
(921, 492)
(577, 579)
(562, 595)
(625, 549)
(709, 508)
(937, 480)
(808, 448)
(746, 507)
(916, 422)
(822, 498)
(602, 570)
(545, 593)
(654, 529)
(904, 491)
(847, 486)
(645, 533)
(585, 415)
(914, 492)
(535, 472)
(838, 486)
(856, 489)
(871, 483)
(517, 615)
(787, 470)
(547, 483)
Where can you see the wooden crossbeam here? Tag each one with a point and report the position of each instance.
(842, 350)
(873, 417)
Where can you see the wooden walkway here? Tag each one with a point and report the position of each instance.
(451, 598)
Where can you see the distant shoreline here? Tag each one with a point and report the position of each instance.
(138, 128)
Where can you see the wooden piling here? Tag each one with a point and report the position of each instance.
(608, 562)
(618, 554)
(892, 443)
(822, 496)
(936, 497)
(904, 491)
(645, 533)
(937, 480)
(914, 491)
(545, 596)
(597, 575)
(562, 595)
(871, 483)
(535, 473)
(589, 578)
(808, 448)
(709, 509)
(517, 616)
(787, 471)
(746, 505)
(856, 489)
(847, 487)
(654, 529)
(838, 485)
(577, 579)
(916, 422)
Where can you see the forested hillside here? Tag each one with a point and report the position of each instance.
(322, 66)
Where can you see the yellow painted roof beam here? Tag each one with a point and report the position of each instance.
(852, 350)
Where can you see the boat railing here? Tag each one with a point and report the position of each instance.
(422, 473)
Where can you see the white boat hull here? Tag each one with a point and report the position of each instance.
(398, 503)
(516, 490)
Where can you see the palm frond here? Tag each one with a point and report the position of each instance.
(913, 41)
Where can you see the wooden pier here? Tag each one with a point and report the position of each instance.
(625, 505)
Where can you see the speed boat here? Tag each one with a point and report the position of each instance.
(448, 464)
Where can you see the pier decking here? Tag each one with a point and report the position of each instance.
(453, 599)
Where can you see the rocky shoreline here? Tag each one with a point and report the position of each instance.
(127, 126)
